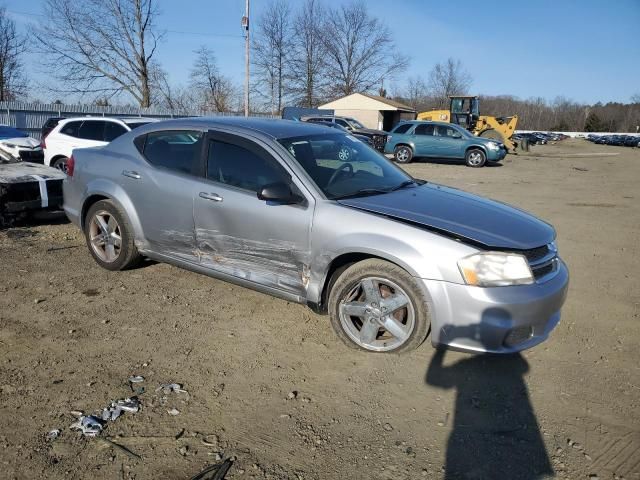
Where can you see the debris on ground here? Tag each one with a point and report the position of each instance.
(214, 472)
(89, 425)
(173, 412)
(53, 434)
(171, 388)
(136, 379)
(92, 425)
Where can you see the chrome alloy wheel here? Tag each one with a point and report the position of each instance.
(105, 236)
(402, 155)
(377, 314)
(475, 158)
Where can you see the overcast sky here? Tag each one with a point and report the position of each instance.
(585, 50)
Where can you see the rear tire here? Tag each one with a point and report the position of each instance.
(109, 236)
(475, 158)
(377, 306)
(403, 154)
(61, 164)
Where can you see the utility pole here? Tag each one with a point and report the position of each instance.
(245, 25)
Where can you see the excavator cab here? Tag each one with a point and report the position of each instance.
(465, 111)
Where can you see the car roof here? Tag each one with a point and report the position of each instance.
(429, 122)
(271, 127)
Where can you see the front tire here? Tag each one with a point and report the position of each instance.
(403, 154)
(376, 306)
(109, 236)
(475, 158)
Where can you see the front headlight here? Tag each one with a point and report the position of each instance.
(495, 269)
(10, 145)
(493, 146)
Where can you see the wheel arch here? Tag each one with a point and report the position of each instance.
(340, 263)
(476, 147)
(105, 190)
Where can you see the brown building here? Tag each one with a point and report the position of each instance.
(370, 110)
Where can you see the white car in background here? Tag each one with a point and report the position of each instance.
(84, 132)
(17, 145)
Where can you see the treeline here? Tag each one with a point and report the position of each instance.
(303, 53)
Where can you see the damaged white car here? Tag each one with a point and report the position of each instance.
(19, 145)
(26, 187)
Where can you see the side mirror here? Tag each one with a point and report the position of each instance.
(457, 135)
(279, 192)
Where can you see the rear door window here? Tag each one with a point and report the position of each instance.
(424, 129)
(92, 130)
(113, 130)
(443, 131)
(71, 129)
(177, 150)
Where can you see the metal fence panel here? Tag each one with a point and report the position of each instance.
(30, 117)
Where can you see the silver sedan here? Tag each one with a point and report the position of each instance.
(318, 217)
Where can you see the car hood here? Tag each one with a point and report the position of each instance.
(28, 142)
(368, 131)
(24, 172)
(461, 215)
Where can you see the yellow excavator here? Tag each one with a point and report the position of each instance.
(465, 111)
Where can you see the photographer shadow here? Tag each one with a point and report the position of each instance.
(495, 433)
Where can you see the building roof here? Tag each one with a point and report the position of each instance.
(364, 101)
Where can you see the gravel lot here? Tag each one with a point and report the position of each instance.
(269, 382)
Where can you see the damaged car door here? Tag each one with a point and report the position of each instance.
(252, 220)
(163, 191)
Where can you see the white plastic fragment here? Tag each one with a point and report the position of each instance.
(168, 388)
(53, 434)
(89, 425)
(173, 412)
(136, 379)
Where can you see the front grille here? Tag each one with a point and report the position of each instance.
(54, 188)
(542, 270)
(20, 192)
(535, 254)
(32, 156)
(379, 141)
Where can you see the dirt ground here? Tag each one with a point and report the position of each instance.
(269, 383)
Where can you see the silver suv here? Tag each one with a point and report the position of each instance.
(316, 217)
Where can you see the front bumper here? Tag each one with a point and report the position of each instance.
(496, 155)
(498, 319)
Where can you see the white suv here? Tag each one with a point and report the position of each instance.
(84, 132)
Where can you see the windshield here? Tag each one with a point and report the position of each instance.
(9, 132)
(356, 123)
(342, 166)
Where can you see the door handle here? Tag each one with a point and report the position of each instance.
(211, 196)
(131, 174)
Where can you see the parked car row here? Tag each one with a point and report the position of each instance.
(540, 138)
(617, 140)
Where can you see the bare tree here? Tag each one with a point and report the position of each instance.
(360, 51)
(170, 96)
(215, 91)
(307, 63)
(101, 47)
(446, 79)
(271, 49)
(416, 92)
(12, 45)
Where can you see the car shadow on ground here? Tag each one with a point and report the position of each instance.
(494, 433)
(450, 161)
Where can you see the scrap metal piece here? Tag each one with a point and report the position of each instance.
(136, 379)
(168, 388)
(90, 425)
(53, 434)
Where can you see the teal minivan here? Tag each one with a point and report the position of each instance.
(442, 140)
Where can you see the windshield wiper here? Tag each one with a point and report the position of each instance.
(406, 183)
(361, 193)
